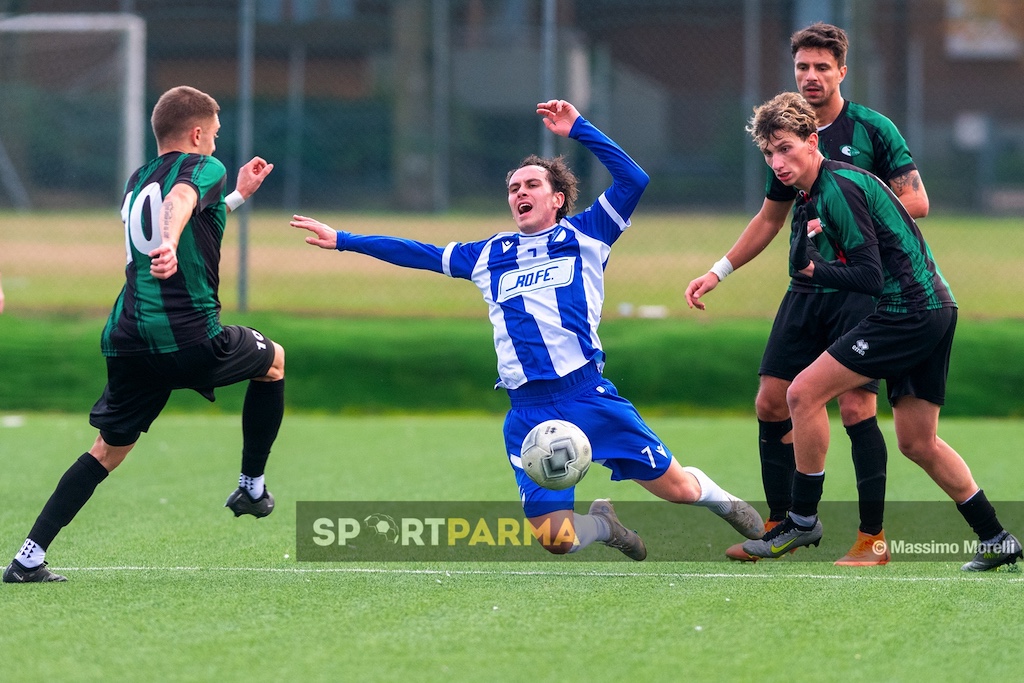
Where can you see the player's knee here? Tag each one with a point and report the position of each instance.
(856, 406)
(675, 486)
(799, 397)
(770, 403)
(916, 449)
(276, 371)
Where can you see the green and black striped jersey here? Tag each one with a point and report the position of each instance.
(161, 316)
(863, 220)
(859, 136)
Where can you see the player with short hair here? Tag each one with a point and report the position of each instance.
(164, 332)
(544, 286)
(811, 316)
(906, 340)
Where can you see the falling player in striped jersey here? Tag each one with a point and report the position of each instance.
(544, 286)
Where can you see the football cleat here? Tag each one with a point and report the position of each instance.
(736, 552)
(869, 550)
(241, 503)
(743, 517)
(16, 573)
(783, 538)
(1004, 549)
(623, 539)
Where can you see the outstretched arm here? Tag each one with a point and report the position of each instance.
(324, 236)
(758, 234)
(395, 250)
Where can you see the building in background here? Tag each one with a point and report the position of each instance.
(424, 104)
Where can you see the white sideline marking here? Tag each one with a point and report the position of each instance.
(555, 573)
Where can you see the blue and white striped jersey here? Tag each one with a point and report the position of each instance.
(544, 291)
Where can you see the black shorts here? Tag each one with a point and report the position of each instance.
(138, 386)
(910, 351)
(805, 326)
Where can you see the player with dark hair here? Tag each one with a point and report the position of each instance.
(906, 340)
(811, 316)
(164, 332)
(544, 286)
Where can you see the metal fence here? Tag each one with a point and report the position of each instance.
(423, 105)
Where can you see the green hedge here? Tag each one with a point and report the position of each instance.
(379, 365)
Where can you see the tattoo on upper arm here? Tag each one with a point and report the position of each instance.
(908, 181)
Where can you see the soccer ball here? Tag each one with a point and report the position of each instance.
(556, 454)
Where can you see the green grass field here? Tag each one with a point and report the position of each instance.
(164, 584)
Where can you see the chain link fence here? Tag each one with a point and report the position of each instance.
(417, 109)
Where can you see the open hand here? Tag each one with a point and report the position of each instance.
(324, 236)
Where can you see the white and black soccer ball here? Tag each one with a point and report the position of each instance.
(556, 454)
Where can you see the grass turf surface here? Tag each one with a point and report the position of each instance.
(165, 584)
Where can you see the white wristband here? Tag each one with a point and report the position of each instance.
(722, 268)
(234, 200)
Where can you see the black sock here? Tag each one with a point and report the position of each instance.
(777, 467)
(807, 489)
(980, 514)
(261, 418)
(869, 462)
(72, 493)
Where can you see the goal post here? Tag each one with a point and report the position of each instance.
(130, 60)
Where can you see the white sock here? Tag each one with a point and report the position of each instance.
(31, 555)
(712, 496)
(589, 529)
(253, 485)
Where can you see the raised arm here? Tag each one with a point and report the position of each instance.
(250, 177)
(758, 234)
(629, 180)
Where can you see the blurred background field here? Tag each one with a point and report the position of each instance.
(73, 262)
(363, 337)
(402, 117)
